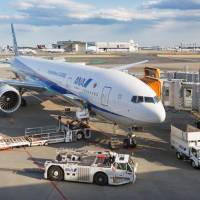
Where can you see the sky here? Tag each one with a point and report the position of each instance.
(148, 22)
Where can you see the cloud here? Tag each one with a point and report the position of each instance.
(173, 4)
(64, 12)
(69, 12)
(51, 4)
(157, 18)
(6, 18)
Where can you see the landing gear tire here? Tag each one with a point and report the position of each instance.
(23, 103)
(79, 135)
(193, 164)
(45, 144)
(101, 179)
(129, 143)
(126, 143)
(55, 173)
(179, 156)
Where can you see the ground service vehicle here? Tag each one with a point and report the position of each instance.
(101, 168)
(187, 144)
(42, 136)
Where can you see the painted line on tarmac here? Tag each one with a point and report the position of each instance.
(51, 182)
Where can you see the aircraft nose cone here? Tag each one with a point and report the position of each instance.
(156, 113)
(159, 114)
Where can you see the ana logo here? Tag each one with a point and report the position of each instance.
(82, 81)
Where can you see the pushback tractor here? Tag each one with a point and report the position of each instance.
(101, 168)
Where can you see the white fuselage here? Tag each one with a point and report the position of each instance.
(108, 92)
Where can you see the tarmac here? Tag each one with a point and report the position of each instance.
(160, 175)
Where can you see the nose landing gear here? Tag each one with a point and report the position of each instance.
(130, 141)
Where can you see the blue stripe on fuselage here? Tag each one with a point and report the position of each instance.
(104, 110)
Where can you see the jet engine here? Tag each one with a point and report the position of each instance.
(10, 99)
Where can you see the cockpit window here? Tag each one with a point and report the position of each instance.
(137, 99)
(149, 99)
(140, 99)
(134, 99)
(156, 99)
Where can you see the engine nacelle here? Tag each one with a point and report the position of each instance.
(10, 99)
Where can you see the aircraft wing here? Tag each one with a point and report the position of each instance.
(125, 67)
(27, 85)
(37, 87)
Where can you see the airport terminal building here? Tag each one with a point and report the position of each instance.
(130, 46)
(71, 46)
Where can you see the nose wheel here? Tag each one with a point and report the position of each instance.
(130, 141)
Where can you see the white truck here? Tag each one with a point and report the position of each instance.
(187, 144)
(101, 168)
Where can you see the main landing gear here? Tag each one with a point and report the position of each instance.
(23, 103)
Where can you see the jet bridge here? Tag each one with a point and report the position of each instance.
(152, 78)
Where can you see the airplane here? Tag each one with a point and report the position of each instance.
(26, 51)
(110, 93)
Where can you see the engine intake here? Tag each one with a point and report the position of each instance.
(10, 99)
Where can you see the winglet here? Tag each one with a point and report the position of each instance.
(14, 41)
(125, 67)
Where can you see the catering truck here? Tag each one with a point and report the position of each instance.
(187, 144)
(101, 168)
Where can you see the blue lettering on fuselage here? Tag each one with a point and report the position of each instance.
(63, 75)
(83, 82)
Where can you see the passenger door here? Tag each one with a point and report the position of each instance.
(105, 95)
